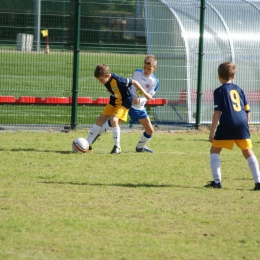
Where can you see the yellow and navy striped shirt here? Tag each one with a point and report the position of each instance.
(119, 89)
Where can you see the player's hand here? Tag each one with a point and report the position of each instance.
(149, 97)
(211, 137)
(136, 100)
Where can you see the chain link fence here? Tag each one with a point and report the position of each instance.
(37, 51)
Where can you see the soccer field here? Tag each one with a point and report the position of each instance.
(56, 204)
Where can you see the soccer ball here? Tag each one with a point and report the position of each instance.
(80, 145)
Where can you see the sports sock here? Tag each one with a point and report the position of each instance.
(215, 167)
(145, 138)
(105, 127)
(254, 168)
(116, 135)
(93, 133)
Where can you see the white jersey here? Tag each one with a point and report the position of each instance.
(149, 83)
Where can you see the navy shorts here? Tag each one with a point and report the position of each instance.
(135, 114)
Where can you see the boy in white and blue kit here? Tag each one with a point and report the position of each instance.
(137, 112)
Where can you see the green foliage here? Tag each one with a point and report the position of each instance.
(59, 205)
(98, 21)
(17, 5)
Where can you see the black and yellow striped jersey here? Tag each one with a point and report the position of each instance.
(119, 89)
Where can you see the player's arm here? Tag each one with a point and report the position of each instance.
(143, 100)
(215, 119)
(247, 110)
(248, 117)
(140, 100)
(139, 87)
(135, 100)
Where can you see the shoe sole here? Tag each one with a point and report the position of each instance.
(143, 151)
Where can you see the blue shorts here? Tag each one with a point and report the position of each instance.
(135, 114)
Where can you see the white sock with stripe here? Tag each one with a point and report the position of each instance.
(145, 138)
(254, 168)
(215, 167)
(93, 133)
(105, 127)
(116, 135)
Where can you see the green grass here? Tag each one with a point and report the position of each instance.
(38, 74)
(55, 204)
(35, 114)
(50, 115)
(41, 75)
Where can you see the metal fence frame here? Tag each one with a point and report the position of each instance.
(81, 35)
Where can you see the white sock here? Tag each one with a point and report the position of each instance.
(254, 168)
(215, 167)
(105, 127)
(145, 138)
(116, 135)
(93, 133)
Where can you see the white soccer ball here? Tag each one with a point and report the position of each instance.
(80, 145)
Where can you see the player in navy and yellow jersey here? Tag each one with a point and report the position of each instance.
(137, 111)
(118, 106)
(232, 112)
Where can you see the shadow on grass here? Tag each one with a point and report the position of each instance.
(53, 151)
(129, 185)
(35, 150)
(142, 185)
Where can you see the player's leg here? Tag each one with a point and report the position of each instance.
(253, 166)
(216, 147)
(246, 147)
(102, 130)
(146, 136)
(119, 115)
(106, 126)
(116, 134)
(215, 167)
(143, 118)
(93, 133)
(105, 115)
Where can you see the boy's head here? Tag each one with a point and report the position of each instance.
(150, 65)
(102, 73)
(227, 70)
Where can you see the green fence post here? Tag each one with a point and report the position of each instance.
(74, 108)
(63, 25)
(200, 64)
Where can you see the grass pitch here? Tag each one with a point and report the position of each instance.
(55, 204)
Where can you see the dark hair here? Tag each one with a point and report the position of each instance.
(227, 70)
(102, 70)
